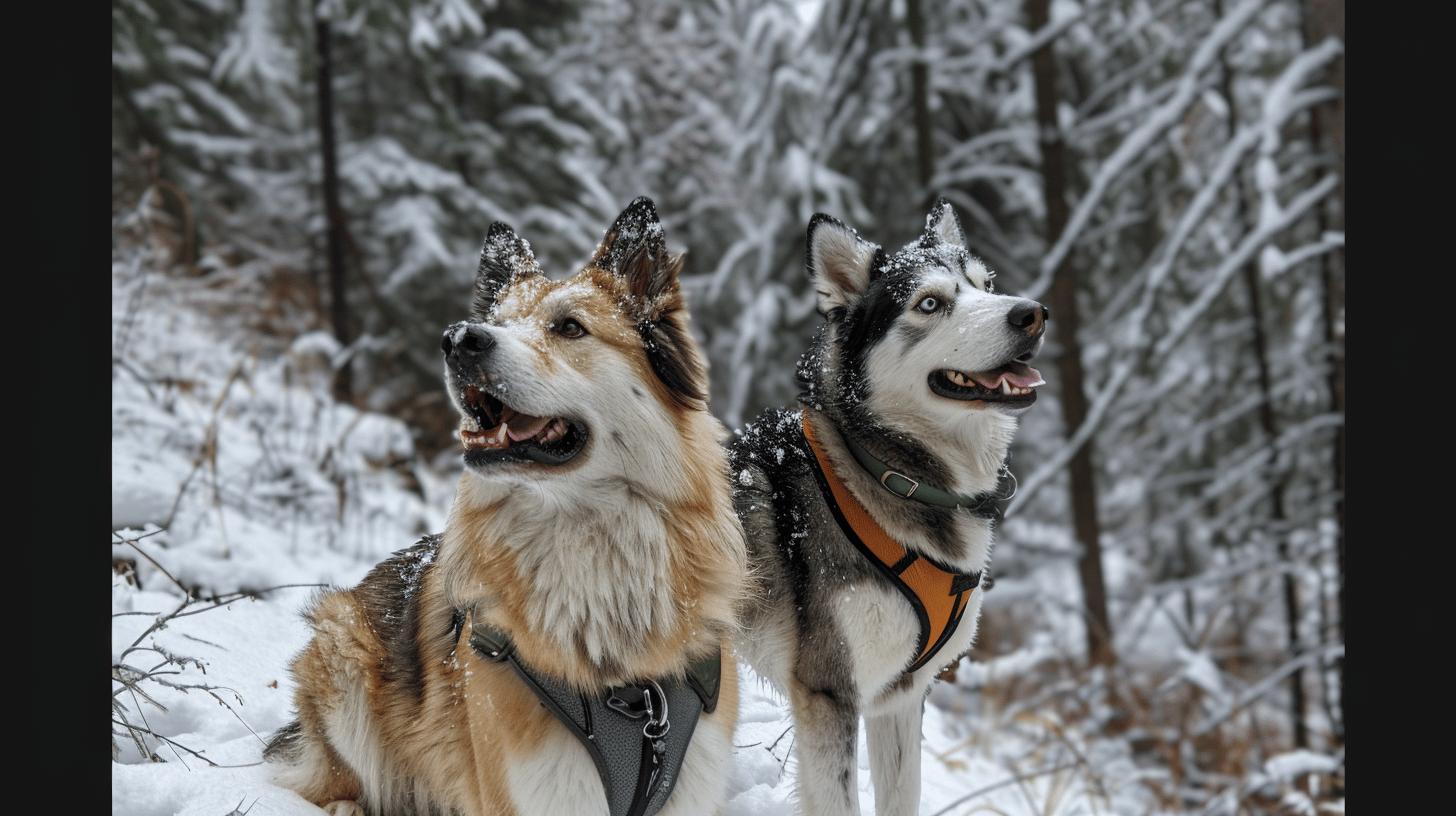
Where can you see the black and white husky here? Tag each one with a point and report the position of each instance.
(912, 387)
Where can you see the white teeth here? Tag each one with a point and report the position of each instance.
(500, 435)
(1006, 388)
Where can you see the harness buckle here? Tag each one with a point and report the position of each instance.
(914, 485)
(657, 724)
(656, 727)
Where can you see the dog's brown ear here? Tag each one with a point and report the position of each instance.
(635, 250)
(504, 259)
(942, 226)
(840, 263)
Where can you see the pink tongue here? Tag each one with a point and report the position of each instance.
(1019, 379)
(524, 426)
(1023, 379)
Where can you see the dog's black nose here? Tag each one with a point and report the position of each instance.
(472, 341)
(1029, 317)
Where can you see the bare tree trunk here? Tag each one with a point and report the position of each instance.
(334, 211)
(1268, 423)
(1326, 18)
(920, 91)
(1069, 363)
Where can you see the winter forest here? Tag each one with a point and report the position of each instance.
(300, 189)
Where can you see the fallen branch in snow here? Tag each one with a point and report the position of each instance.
(176, 744)
(130, 679)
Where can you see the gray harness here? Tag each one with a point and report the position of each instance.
(636, 734)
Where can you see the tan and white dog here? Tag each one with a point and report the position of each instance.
(593, 526)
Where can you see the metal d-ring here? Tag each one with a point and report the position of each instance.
(650, 728)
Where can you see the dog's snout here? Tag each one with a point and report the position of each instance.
(1029, 317)
(468, 343)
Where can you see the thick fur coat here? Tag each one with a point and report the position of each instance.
(922, 363)
(593, 524)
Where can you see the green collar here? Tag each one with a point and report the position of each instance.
(985, 505)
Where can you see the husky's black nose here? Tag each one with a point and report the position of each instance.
(1029, 317)
(466, 343)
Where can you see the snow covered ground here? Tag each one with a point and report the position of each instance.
(249, 644)
(234, 472)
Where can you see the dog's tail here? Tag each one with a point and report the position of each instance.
(286, 746)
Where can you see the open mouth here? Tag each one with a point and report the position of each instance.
(494, 432)
(1013, 382)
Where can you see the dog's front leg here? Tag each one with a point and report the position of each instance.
(826, 731)
(893, 734)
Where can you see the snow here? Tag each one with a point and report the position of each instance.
(1299, 763)
(255, 639)
(248, 645)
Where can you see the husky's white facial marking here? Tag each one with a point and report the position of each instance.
(949, 322)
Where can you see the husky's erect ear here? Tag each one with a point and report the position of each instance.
(840, 262)
(635, 250)
(504, 259)
(942, 226)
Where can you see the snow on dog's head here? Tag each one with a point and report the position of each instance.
(590, 377)
(917, 341)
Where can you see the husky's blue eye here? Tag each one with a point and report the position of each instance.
(927, 305)
(570, 329)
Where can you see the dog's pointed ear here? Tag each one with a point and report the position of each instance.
(840, 263)
(504, 259)
(635, 250)
(942, 226)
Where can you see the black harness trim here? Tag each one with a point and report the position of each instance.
(637, 735)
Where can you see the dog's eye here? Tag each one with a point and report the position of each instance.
(570, 329)
(928, 305)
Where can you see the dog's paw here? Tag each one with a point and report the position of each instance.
(344, 807)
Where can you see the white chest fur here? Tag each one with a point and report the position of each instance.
(880, 632)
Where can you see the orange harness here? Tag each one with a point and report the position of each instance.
(938, 595)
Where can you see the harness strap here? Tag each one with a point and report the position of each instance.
(637, 735)
(938, 594)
